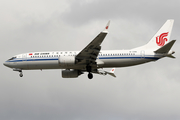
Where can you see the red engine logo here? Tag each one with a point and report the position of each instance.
(160, 40)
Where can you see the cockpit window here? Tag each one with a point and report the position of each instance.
(12, 58)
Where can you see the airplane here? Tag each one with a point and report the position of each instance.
(92, 59)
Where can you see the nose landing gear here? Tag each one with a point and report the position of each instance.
(18, 70)
(21, 74)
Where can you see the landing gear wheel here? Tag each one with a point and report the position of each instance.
(90, 75)
(21, 74)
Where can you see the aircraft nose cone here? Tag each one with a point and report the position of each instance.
(6, 64)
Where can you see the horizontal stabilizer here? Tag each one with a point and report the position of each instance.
(165, 48)
(171, 56)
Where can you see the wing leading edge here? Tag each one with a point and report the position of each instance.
(89, 54)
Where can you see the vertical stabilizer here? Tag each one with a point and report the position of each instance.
(161, 38)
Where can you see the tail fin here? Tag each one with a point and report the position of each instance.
(161, 38)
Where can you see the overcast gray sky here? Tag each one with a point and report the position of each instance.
(146, 92)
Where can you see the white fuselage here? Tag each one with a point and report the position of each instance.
(91, 58)
(105, 59)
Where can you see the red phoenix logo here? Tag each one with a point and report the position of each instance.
(160, 40)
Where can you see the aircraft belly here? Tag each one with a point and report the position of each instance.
(52, 64)
(123, 62)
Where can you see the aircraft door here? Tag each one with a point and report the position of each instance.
(24, 57)
(24, 61)
(142, 54)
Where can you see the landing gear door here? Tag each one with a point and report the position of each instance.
(142, 54)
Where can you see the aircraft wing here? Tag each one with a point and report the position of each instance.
(89, 54)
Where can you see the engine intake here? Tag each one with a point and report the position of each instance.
(71, 73)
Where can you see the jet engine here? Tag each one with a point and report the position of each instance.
(71, 73)
(67, 60)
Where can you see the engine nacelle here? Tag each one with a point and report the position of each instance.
(71, 73)
(67, 60)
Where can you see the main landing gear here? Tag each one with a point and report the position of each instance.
(90, 75)
(89, 69)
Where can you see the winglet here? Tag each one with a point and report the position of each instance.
(106, 28)
(112, 72)
(102, 72)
